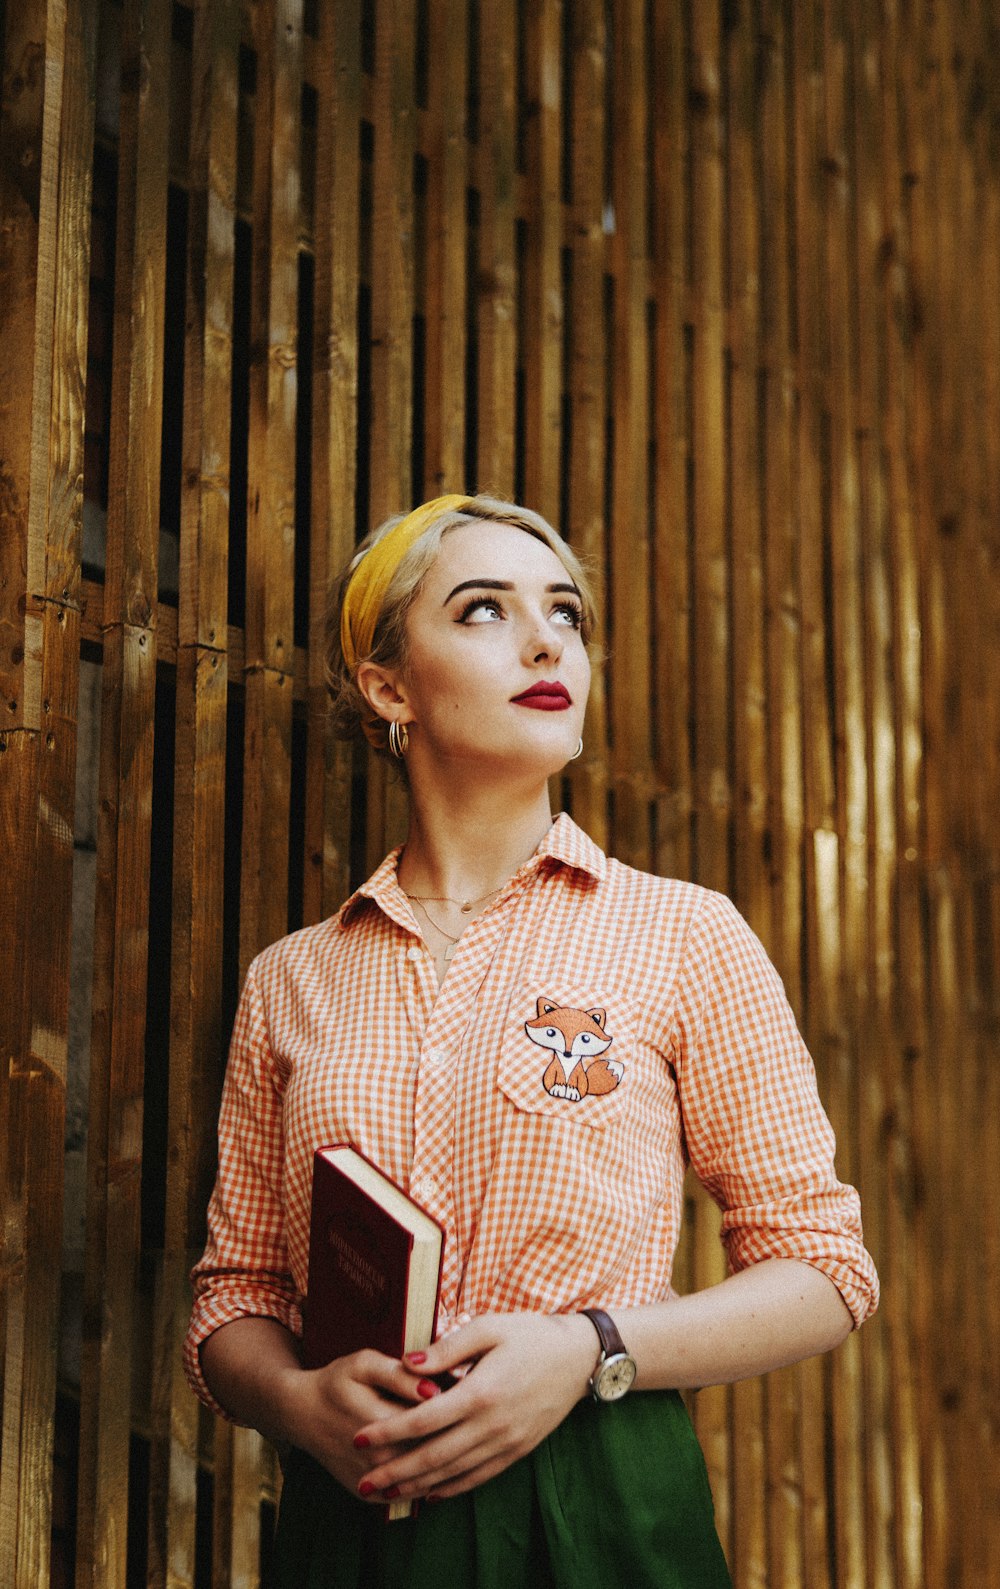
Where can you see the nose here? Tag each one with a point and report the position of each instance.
(543, 642)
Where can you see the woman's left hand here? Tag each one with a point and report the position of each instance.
(525, 1373)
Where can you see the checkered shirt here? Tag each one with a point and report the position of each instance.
(550, 1202)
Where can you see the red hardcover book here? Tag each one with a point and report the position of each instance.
(374, 1266)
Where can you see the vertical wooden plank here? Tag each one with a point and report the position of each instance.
(819, 846)
(587, 359)
(906, 687)
(497, 291)
(47, 137)
(629, 668)
(58, 485)
(873, 1035)
(543, 297)
(784, 702)
(269, 665)
(710, 617)
(446, 287)
(670, 246)
(114, 1142)
(197, 1042)
(392, 329)
(335, 391)
(921, 172)
(982, 729)
(271, 485)
(749, 724)
(27, 256)
(843, 946)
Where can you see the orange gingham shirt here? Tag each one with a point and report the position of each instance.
(549, 1204)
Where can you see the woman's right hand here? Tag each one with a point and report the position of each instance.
(326, 1407)
(252, 1368)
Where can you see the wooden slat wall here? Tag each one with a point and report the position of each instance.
(720, 288)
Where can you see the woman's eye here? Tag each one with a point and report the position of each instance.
(483, 610)
(568, 612)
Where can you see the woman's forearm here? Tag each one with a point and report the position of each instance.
(772, 1314)
(252, 1366)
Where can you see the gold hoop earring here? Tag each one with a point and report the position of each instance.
(399, 739)
(578, 751)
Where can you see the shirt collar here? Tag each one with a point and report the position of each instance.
(564, 843)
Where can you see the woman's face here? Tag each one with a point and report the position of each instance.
(496, 667)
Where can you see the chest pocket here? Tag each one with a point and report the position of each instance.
(569, 1054)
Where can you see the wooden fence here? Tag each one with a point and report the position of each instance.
(717, 288)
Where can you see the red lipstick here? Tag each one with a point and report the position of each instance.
(545, 697)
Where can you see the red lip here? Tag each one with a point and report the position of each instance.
(545, 697)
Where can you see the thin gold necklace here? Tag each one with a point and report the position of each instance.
(466, 906)
(452, 941)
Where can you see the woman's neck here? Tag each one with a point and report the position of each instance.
(461, 849)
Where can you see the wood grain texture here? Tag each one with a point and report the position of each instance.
(719, 287)
(496, 284)
(587, 355)
(335, 394)
(44, 223)
(114, 1146)
(197, 1043)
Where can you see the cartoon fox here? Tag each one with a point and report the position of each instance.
(574, 1035)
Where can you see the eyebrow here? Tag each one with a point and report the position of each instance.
(505, 584)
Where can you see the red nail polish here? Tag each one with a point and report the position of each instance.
(430, 1499)
(366, 1487)
(392, 1493)
(416, 1357)
(361, 1442)
(427, 1389)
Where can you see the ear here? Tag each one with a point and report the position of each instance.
(600, 1016)
(546, 1006)
(383, 689)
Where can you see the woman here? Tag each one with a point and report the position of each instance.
(534, 1039)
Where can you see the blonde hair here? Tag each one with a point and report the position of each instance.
(348, 707)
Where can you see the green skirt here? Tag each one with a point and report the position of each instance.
(615, 1495)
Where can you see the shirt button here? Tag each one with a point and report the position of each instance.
(424, 1186)
(414, 953)
(436, 1056)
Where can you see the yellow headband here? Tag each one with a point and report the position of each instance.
(371, 579)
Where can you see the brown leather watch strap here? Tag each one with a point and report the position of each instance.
(612, 1344)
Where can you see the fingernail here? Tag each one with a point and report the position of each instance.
(392, 1493)
(427, 1389)
(430, 1499)
(361, 1442)
(416, 1357)
(366, 1487)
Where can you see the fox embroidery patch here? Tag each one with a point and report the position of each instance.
(579, 1043)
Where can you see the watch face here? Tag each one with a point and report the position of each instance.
(613, 1378)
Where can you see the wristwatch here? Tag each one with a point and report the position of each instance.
(616, 1370)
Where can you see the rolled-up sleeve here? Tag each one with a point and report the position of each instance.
(244, 1271)
(757, 1135)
